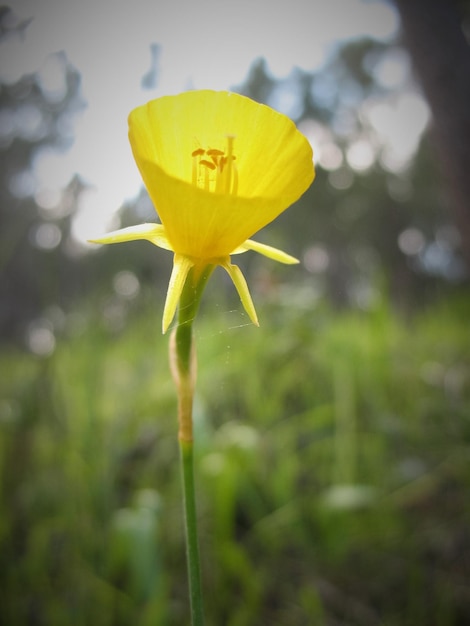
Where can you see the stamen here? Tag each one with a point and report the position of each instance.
(224, 178)
(234, 188)
(208, 164)
(219, 179)
(229, 156)
(194, 172)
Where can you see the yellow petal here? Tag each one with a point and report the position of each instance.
(155, 233)
(240, 283)
(269, 251)
(273, 162)
(181, 267)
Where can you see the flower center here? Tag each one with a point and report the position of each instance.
(215, 170)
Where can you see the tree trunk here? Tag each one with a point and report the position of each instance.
(441, 57)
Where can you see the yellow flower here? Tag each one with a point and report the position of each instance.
(218, 167)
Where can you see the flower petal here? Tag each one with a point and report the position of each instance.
(181, 267)
(239, 281)
(274, 165)
(269, 251)
(155, 233)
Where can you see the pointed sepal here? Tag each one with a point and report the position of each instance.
(269, 251)
(181, 266)
(241, 286)
(155, 233)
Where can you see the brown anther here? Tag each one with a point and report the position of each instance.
(197, 152)
(208, 164)
(215, 152)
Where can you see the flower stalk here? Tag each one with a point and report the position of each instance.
(183, 366)
(192, 547)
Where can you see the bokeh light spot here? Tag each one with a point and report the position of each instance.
(40, 338)
(46, 236)
(316, 259)
(360, 155)
(411, 241)
(126, 284)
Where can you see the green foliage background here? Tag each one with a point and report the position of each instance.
(332, 473)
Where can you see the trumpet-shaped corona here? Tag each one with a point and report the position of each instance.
(218, 167)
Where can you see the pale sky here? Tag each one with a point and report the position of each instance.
(204, 44)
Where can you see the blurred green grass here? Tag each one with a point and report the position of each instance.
(332, 472)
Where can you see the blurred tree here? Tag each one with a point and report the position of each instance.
(36, 263)
(367, 216)
(43, 270)
(434, 34)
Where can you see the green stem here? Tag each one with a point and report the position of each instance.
(192, 549)
(183, 359)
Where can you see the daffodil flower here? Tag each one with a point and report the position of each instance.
(218, 167)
